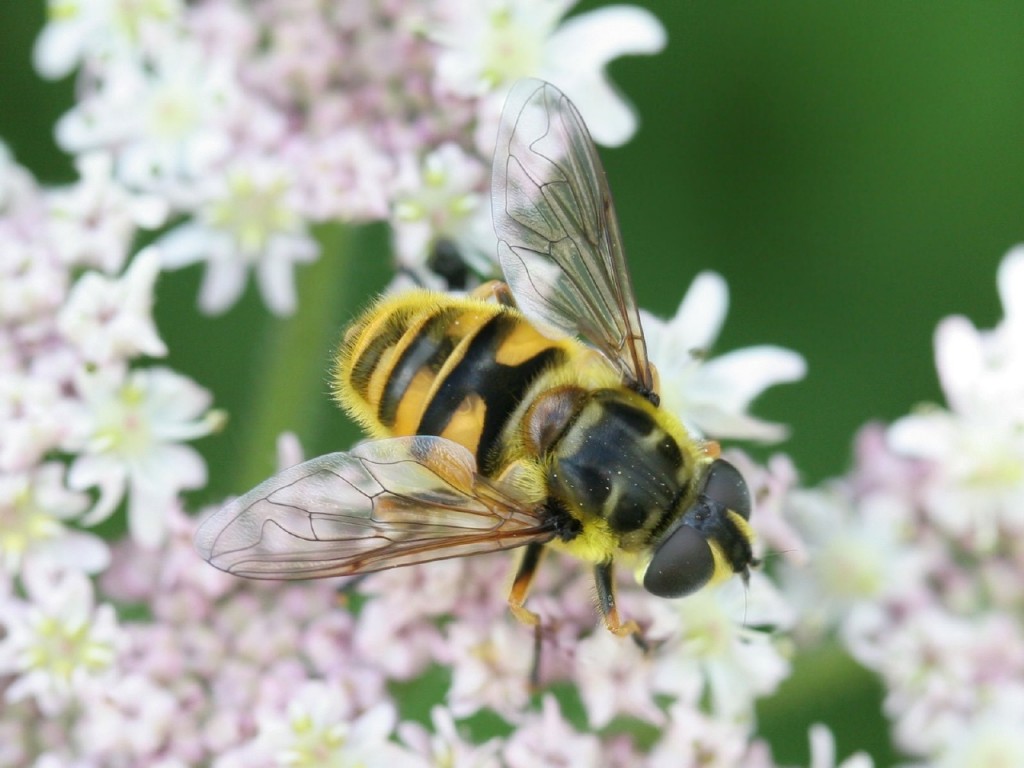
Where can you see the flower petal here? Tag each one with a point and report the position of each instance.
(171, 398)
(580, 49)
(736, 378)
(701, 313)
(959, 359)
(79, 550)
(57, 50)
(923, 435)
(103, 472)
(223, 283)
(169, 468)
(711, 420)
(276, 280)
(183, 245)
(1010, 279)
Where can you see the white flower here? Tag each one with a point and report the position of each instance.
(445, 746)
(615, 677)
(976, 448)
(771, 485)
(823, 751)
(36, 415)
(33, 508)
(131, 445)
(693, 740)
(16, 183)
(289, 451)
(128, 720)
(982, 371)
(16, 735)
(711, 396)
(441, 202)
(320, 731)
(80, 29)
(490, 668)
(946, 673)
(977, 484)
(396, 627)
(249, 220)
(342, 175)
(167, 120)
(487, 46)
(547, 739)
(93, 221)
(57, 643)
(858, 556)
(1010, 282)
(711, 633)
(994, 739)
(111, 319)
(32, 280)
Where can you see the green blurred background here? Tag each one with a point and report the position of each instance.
(854, 170)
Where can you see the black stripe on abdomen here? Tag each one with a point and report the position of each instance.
(501, 387)
(429, 349)
(362, 368)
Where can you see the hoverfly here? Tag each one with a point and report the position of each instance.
(527, 419)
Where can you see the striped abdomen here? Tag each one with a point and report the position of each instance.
(422, 363)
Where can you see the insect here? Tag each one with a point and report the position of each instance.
(528, 419)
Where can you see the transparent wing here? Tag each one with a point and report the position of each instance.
(386, 503)
(559, 242)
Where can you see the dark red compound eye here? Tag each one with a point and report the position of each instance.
(681, 565)
(725, 485)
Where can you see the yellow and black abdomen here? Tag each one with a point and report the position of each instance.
(421, 363)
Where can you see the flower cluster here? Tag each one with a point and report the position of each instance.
(221, 132)
(78, 413)
(169, 662)
(251, 121)
(217, 671)
(88, 427)
(227, 672)
(919, 552)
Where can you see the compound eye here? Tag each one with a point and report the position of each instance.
(681, 565)
(724, 484)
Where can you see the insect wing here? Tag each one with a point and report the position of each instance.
(386, 503)
(559, 242)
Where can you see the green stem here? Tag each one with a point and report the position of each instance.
(290, 391)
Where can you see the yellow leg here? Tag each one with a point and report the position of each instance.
(516, 603)
(521, 586)
(604, 578)
(496, 291)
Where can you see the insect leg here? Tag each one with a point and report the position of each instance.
(517, 599)
(496, 291)
(446, 262)
(521, 585)
(604, 577)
